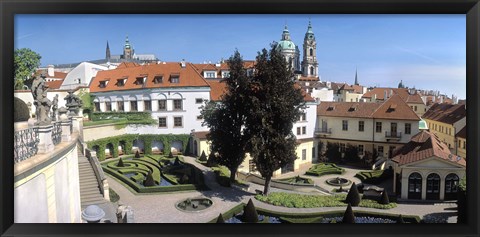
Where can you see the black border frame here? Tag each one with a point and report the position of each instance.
(9, 8)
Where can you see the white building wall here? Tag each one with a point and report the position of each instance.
(84, 71)
(311, 117)
(323, 94)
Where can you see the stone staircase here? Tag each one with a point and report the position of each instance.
(89, 191)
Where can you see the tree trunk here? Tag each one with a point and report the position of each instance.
(267, 185)
(232, 176)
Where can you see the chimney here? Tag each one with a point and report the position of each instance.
(441, 99)
(385, 95)
(50, 71)
(182, 63)
(374, 97)
(391, 93)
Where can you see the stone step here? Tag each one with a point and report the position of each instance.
(85, 204)
(89, 177)
(88, 183)
(92, 198)
(91, 194)
(89, 189)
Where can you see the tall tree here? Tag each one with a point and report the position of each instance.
(26, 61)
(276, 105)
(226, 119)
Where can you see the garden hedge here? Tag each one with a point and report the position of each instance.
(324, 169)
(375, 176)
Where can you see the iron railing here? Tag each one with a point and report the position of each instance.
(323, 131)
(57, 133)
(393, 134)
(26, 144)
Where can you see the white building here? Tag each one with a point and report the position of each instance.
(81, 75)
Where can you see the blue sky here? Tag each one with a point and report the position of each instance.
(425, 51)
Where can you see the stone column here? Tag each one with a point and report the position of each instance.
(442, 187)
(77, 122)
(65, 122)
(45, 144)
(404, 187)
(424, 187)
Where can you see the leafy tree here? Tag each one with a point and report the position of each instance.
(226, 120)
(26, 61)
(351, 154)
(276, 105)
(353, 197)
(333, 152)
(348, 216)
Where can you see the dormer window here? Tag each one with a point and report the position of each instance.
(225, 74)
(249, 72)
(210, 74)
(140, 80)
(174, 79)
(158, 79)
(121, 82)
(103, 84)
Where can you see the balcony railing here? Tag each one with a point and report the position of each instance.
(57, 133)
(323, 131)
(393, 135)
(26, 144)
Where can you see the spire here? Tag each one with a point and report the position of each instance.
(286, 33)
(127, 43)
(107, 53)
(309, 35)
(400, 85)
(356, 77)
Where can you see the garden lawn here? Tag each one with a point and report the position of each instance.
(324, 169)
(312, 201)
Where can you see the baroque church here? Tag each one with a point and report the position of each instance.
(308, 68)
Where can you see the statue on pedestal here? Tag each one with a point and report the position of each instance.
(40, 100)
(54, 108)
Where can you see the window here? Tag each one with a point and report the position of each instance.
(415, 108)
(162, 105)
(139, 81)
(408, 128)
(303, 117)
(342, 147)
(177, 122)
(148, 105)
(108, 106)
(299, 131)
(459, 143)
(378, 127)
(380, 150)
(97, 106)
(162, 122)
(102, 84)
(225, 74)
(311, 52)
(177, 104)
(174, 79)
(304, 130)
(133, 105)
(210, 74)
(198, 100)
(345, 125)
(304, 154)
(251, 166)
(464, 144)
(361, 126)
(158, 79)
(121, 82)
(120, 106)
(360, 149)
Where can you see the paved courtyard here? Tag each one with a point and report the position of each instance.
(160, 208)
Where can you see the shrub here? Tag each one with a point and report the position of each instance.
(375, 176)
(348, 216)
(384, 199)
(324, 169)
(211, 162)
(353, 197)
(149, 180)
(250, 213)
(113, 195)
(137, 154)
(203, 157)
(176, 162)
(220, 218)
(20, 111)
(120, 163)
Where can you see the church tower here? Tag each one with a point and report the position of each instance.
(289, 51)
(309, 63)
(107, 53)
(127, 50)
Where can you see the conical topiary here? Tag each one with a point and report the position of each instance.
(220, 218)
(384, 199)
(137, 154)
(250, 213)
(203, 157)
(211, 162)
(149, 180)
(353, 198)
(120, 163)
(400, 220)
(176, 162)
(348, 216)
(170, 155)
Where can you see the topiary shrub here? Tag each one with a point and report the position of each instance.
(211, 162)
(137, 154)
(149, 180)
(203, 157)
(348, 216)
(400, 220)
(170, 155)
(384, 199)
(220, 218)
(20, 111)
(176, 162)
(353, 197)
(120, 163)
(250, 214)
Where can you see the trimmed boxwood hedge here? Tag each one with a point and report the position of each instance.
(375, 176)
(324, 169)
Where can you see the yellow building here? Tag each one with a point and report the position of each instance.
(461, 144)
(410, 96)
(445, 121)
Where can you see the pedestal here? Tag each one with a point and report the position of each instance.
(66, 135)
(77, 122)
(45, 144)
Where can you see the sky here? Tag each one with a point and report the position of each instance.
(425, 51)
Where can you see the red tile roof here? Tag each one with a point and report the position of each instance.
(54, 84)
(393, 108)
(446, 113)
(422, 146)
(56, 75)
(188, 77)
(311, 78)
(414, 98)
(127, 64)
(354, 88)
(201, 67)
(462, 133)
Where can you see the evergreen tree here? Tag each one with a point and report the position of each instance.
(25, 62)
(203, 157)
(220, 218)
(250, 213)
(384, 199)
(149, 180)
(226, 120)
(348, 216)
(120, 163)
(353, 197)
(277, 104)
(333, 152)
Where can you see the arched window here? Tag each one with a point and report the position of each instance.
(311, 71)
(415, 186)
(451, 186)
(433, 187)
(311, 52)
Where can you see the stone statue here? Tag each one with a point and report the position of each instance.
(40, 100)
(74, 103)
(54, 108)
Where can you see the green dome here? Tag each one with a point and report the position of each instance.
(286, 44)
(422, 125)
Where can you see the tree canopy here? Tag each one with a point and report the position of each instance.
(26, 61)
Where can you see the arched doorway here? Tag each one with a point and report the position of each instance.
(451, 185)
(433, 187)
(415, 186)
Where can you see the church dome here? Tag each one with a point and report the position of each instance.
(286, 45)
